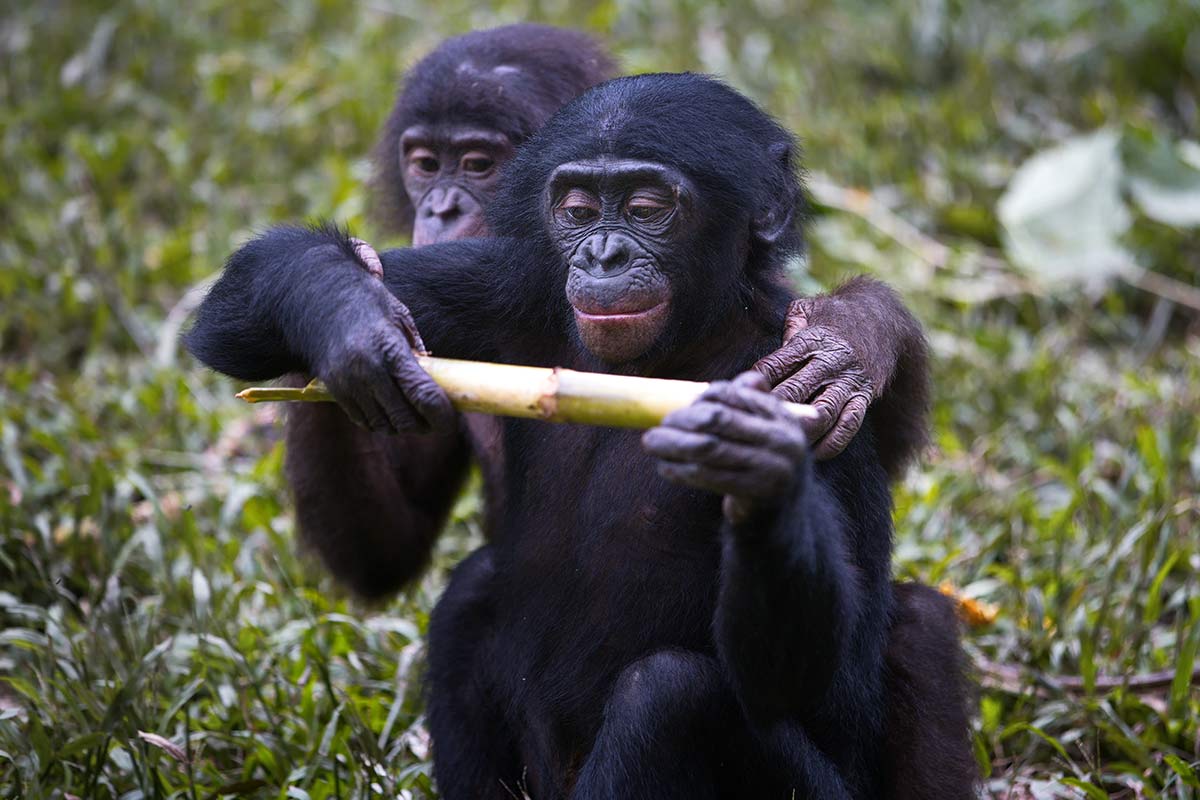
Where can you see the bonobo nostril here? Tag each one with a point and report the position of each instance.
(609, 252)
(445, 204)
(615, 253)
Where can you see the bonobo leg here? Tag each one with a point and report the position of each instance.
(929, 752)
(664, 730)
(475, 760)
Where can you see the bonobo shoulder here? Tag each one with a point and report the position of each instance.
(476, 297)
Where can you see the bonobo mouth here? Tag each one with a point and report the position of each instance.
(601, 316)
(622, 332)
(434, 230)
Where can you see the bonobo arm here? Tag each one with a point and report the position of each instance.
(297, 300)
(304, 300)
(855, 348)
(370, 505)
(793, 593)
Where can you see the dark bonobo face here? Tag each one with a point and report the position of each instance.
(616, 222)
(450, 174)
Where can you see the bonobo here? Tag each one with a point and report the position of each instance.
(699, 611)
(370, 504)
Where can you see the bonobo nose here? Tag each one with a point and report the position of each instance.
(444, 203)
(607, 254)
(446, 214)
(448, 206)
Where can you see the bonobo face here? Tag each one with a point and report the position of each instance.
(616, 222)
(450, 174)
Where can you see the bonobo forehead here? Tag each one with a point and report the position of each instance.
(454, 136)
(740, 161)
(611, 172)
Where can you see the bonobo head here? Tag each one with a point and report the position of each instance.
(671, 202)
(460, 115)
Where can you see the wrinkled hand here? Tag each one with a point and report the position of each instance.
(372, 372)
(818, 366)
(737, 440)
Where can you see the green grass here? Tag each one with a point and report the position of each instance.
(148, 576)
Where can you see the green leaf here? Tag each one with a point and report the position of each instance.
(1163, 181)
(1062, 212)
(1184, 770)
(1090, 789)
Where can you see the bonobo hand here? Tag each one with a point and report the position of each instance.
(737, 440)
(818, 365)
(372, 371)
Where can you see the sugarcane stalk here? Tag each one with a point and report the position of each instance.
(550, 394)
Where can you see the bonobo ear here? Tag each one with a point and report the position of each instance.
(777, 214)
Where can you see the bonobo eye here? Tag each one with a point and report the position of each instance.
(644, 207)
(478, 164)
(579, 207)
(423, 160)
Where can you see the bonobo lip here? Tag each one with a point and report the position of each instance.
(469, 226)
(615, 315)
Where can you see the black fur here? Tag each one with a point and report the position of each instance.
(618, 638)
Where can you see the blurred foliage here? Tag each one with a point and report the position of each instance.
(148, 578)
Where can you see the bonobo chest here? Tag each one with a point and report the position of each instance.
(593, 490)
(594, 540)
(600, 562)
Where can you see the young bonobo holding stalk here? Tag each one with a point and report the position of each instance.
(371, 504)
(700, 611)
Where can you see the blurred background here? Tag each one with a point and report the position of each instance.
(1027, 174)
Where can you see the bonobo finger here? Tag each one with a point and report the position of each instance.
(351, 410)
(402, 318)
(400, 415)
(430, 400)
(751, 380)
(824, 367)
(685, 446)
(798, 315)
(714, 390)
(771, 481)
(828, 407)
(431, 404)
(377, 420)
(751, 392)
(844, 430)
(721, 420)
(367, 256)
(786, 360)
